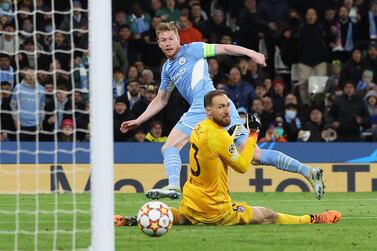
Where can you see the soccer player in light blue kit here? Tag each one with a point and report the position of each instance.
(187, 70)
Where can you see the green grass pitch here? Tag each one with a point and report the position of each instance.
(356, 231)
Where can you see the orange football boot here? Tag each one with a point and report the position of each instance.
(328, 217)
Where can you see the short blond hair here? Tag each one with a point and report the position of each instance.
(166, 26)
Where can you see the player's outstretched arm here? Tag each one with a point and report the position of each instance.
(235, 50)
(155, 106)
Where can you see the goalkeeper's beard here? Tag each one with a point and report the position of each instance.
(223, 122)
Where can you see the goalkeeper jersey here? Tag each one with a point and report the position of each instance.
(212, 150)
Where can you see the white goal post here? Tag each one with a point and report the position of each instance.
(101, 140)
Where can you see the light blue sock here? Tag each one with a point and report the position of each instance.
(283, 162)
(172, 163)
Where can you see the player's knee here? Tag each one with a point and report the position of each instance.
(269, 216)
(165, 147)
(168, 145)
(256, 156)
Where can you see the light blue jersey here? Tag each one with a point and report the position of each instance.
(188, 72)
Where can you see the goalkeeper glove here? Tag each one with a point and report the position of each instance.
(120, 221)
(235, 131)
(253, 123)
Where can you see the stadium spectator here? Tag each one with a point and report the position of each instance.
(267, 82)
(169, 12)
(218, 77)
(268, 115)
(217, 27)
(365, 84)
(271, 16)
(76, 21)
(67, 131)
(121, 113)
(7, 127)
(139, 136)
(81, 75)
(155, 6)
(371, 99)
(290, 99)
(133, 93)
(120, 58)
(56, 111)
(200, 21)
(6, 70)
(81, 38)
(187, 32)
(260, 91)
(174, 110)
(278, 96)
(151, 53)
(24, 12)
(371, 58)
(155, 133)
(141, 105)
(312, 53)
(139, 20)
(239, 91)
(352, 69)
(275, 131)
(329, 134)
(59, 76)
(311, 130)
(139, 64)
(30, 58)
(329, 26)
(131, 47)
(49, 91)
(345, 35)
(119, 83)
(6, 8)
(44, 21)
(332, 86)
(292, 122)
(63, 55)
(132, 74)
(226, 62)
(349, 112)
(243, 114)
(248, 32)
(149, 35)
(257, 106)
(147, 77)
(27, 104)
(81, 116)
(27, 29)
(8, 39)
(120, 19)
(369, 23)
(287, 40)
(250, 72)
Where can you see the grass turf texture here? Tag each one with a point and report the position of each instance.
(356, 231)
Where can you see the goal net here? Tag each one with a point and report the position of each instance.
(56, 156)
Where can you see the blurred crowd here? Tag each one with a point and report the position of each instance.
(319, 83)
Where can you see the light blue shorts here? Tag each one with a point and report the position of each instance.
(197, 113)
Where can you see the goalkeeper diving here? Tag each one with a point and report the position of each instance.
(205, 194)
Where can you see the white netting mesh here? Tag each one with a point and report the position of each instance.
(44, 153)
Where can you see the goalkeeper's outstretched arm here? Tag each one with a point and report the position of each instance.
(154, 107)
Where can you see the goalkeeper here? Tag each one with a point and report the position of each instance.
(205, 194)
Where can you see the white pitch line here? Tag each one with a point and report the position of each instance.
(61, 221)
(143, 201)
